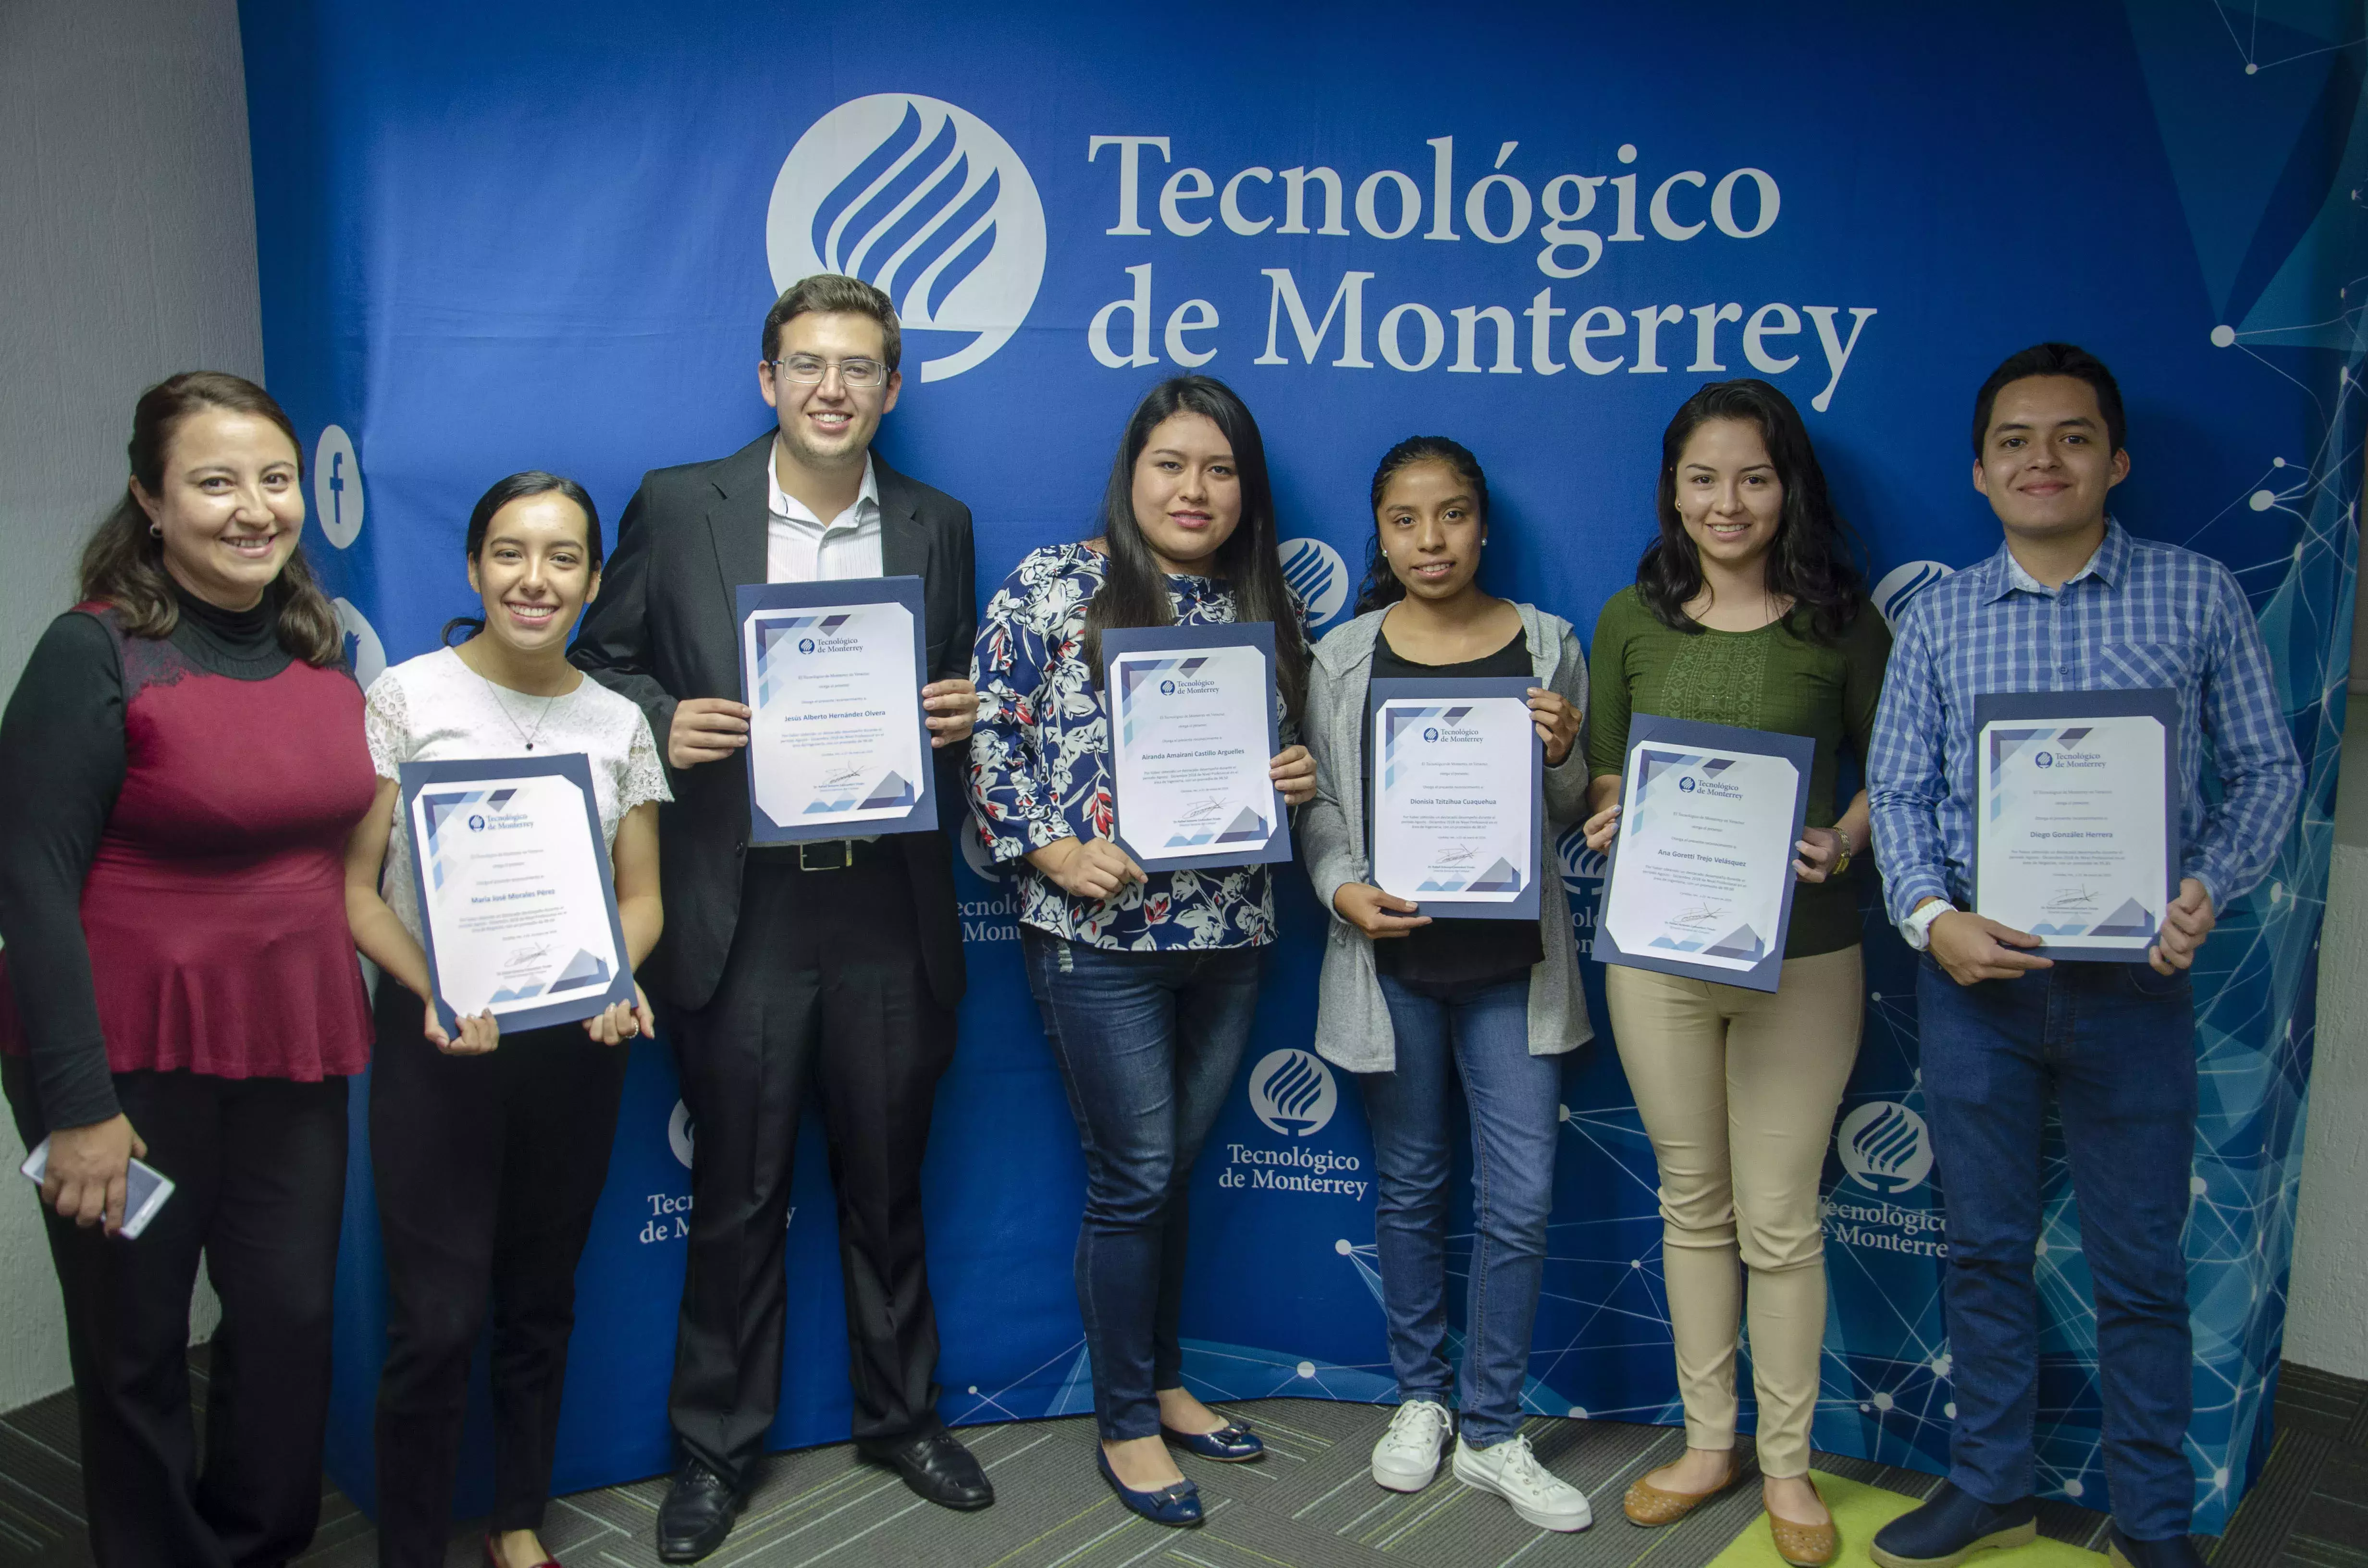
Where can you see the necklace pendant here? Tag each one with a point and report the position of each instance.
(530, 745)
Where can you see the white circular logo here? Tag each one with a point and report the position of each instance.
(974, 855)
(1884, 1147)
(1902, 583)
(1292, 1092)
(925, 202)
(1582, 868)
(365, 655)
(337, 487)
(681, 1133)
(1315, 571)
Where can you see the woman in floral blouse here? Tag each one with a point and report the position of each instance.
(1147, 981)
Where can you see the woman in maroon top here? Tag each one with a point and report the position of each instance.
(180, 767)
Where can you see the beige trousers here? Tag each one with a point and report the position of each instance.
(1738, 1090)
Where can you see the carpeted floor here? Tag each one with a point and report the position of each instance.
(1308, 1505)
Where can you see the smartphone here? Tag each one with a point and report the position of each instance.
(144, 1189)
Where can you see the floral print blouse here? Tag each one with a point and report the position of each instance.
(1039, 765)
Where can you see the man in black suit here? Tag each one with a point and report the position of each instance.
(837, 963)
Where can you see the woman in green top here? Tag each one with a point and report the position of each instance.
(1747, 610)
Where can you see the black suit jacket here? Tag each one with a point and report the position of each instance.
(665, 627)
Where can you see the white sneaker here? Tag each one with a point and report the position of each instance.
(1512, 1472)
(1407, 1456)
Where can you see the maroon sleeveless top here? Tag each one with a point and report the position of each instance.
(214, 906)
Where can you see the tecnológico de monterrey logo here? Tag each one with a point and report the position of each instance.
(1884, 1147)
(924, 201)
(1292, 1092)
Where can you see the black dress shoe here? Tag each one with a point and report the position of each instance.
(1950, 1527)
(939, 1468)
(2178, 1552)
(699, 1512)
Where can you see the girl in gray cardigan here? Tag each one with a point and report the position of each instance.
(1408, 1001)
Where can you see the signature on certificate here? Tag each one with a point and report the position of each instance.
(2071, 900)
(1699, 916)
(1201, 813)
(1454, 855)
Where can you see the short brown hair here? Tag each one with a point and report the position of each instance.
(834, 292)
(124, 564)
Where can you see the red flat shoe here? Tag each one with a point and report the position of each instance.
(494, 1558)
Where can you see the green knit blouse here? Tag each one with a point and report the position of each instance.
(1775, 678)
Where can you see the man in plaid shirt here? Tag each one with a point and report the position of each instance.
(2070, 603)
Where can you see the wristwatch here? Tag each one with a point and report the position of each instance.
(1917, 929)
(1841, 862)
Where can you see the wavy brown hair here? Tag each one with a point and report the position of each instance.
(124, 564)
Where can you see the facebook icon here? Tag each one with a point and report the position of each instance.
(337, 487)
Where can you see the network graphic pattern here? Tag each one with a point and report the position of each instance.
(1601, 1346)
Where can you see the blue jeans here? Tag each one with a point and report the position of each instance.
(1148, 1044)
(2116, 1042)
(1482, 1036)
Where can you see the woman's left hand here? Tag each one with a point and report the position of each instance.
(1557, 723)
(1293, 772)
(1818, 850)
(623, 1021)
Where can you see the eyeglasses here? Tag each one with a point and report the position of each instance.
(806, 369)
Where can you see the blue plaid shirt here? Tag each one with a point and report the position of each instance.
(2139, 615)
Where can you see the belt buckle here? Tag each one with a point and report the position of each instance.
(807, 860)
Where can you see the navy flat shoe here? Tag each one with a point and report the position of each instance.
(1231, 1444)
(1177, 1506)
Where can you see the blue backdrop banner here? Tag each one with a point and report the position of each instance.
(516, 233)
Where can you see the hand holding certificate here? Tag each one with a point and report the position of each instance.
(1702, 872)
(2076, 819)
(838, 745)
(1457, 795)
(1192, 734)
(516, 899)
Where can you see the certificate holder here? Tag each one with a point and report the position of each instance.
(2076, 818)
(1458, 796)
(838, 743)
(1192, 728)
(518, 902)
(1701, 882)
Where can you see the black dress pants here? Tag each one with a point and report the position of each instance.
(488, 1170)
(824, 984)
(259, 1167)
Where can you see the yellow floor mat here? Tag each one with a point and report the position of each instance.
(1860, 1510)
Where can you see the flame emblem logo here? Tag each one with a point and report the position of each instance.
(1902, 583)
(1292, 1092)
(925, 202)
(1885, 1147)
(1313, 570)
(974, 853)
(682, 1133)
(1582, 868)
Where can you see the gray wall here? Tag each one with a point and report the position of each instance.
(127, 253)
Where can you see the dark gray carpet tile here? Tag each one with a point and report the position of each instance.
(2257, 1537)
(2310, 1400)
(2073, 1525)
(53, 1424)
(2336, 1514)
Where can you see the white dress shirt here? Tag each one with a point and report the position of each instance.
(802, 548)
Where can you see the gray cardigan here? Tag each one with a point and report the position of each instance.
(1352, 1021)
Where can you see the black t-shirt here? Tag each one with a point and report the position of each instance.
(1450, 952)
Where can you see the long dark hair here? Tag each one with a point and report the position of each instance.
(1382, 586)
(124, 564)
(1814, 559)
(1134, 591)
(518, 487)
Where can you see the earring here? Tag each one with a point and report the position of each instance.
(156, 530)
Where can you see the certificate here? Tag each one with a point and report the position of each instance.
(838, 745)
(2076, 821)
(1192, 728)
(1701, 882)
(516, 895)
(1458, 795)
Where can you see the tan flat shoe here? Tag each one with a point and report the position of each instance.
(1653, 1507)
(1805, 1546)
